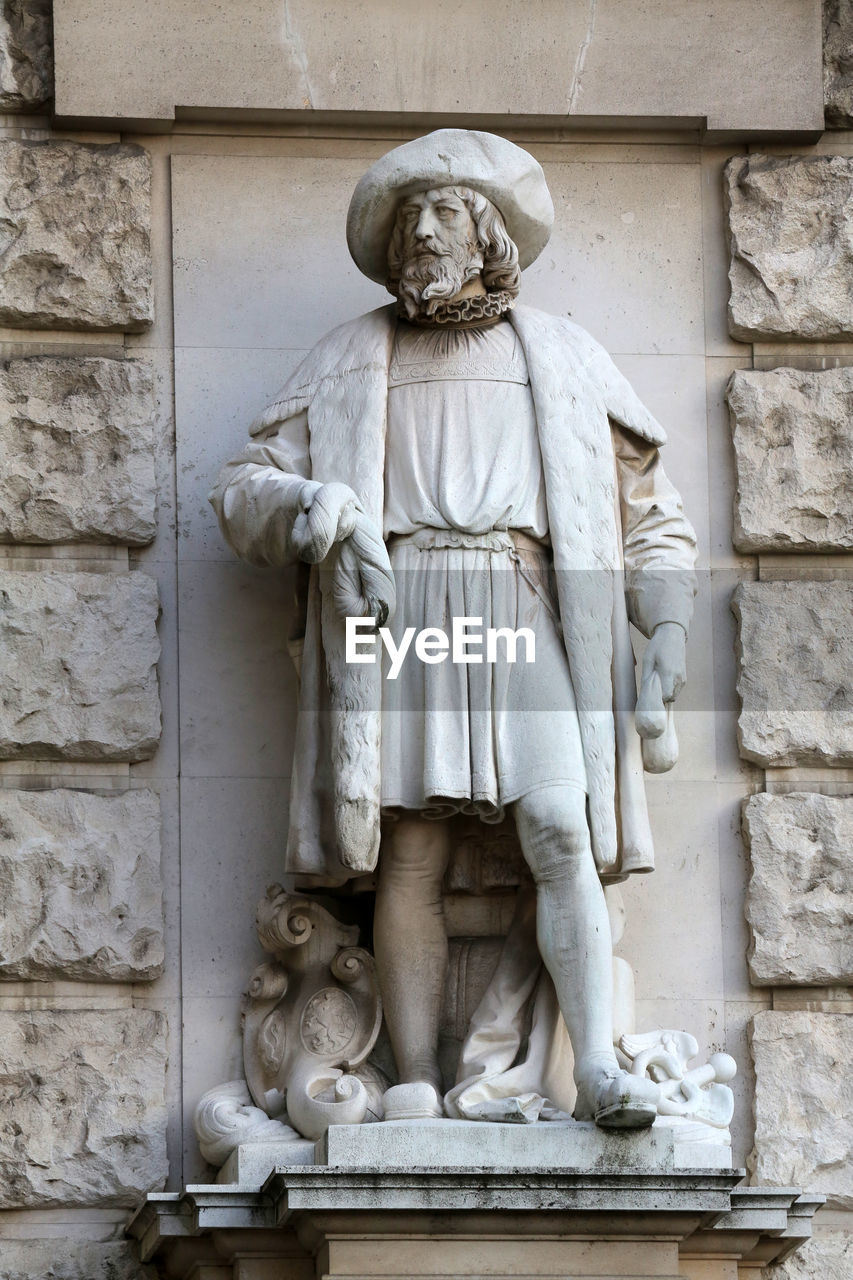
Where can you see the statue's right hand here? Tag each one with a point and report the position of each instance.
(328, 516)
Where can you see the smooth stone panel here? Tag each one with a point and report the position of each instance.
(71, 1259)
(81, 887)
(800, 898)
(270, 231)
(234, 832)
(77, 439)
(838, 64)
(218, 393)
(794, 457)
(237, 679)
(82, 1107)
(75, 251)
(233, 836)
(795, 676)
(624, 260)
(26, 55)
(78, 666)
(791, 240)
(625, 256)
(753, 66)
(211, 1052)
(675, 911)
(804, 1103)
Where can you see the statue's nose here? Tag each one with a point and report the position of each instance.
(426, 225)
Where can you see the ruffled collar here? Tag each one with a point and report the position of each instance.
(477, 311)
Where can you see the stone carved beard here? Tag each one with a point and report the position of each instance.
(430, 274)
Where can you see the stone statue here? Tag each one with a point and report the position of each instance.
(453, 457)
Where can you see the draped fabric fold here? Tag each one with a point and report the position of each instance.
(516, 1062)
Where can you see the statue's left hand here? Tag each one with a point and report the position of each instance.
(663, 678)
(329, 517)
(665, 657)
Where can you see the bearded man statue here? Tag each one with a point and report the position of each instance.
(513, 477)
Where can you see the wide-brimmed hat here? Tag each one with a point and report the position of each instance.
(502, 172)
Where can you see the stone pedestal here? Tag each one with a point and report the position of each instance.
(614, 1206)
(453, 1144)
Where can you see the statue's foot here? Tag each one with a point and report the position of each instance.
(615, 1099)
(418, 1101)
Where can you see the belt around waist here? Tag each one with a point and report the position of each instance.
(494, 540)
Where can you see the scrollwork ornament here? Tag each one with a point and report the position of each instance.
(268, 982)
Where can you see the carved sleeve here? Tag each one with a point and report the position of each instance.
(659, 545)
(260, 493)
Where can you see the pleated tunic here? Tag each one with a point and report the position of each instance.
(466, 524)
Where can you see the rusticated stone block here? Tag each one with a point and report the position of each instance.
(78, 676)
(82, 1107)
(77, 439)
(838, 64)
(791, 240)
(804, 1103)
(794, 455)
(795, 672)
(64, 1259)
(827, 1256)
(26, 54)
(800, 897)
(80, 885)
(75, 248)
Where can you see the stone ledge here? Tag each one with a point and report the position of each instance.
(708, 1214)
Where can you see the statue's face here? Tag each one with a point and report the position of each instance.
(436, 239)
(436, 222)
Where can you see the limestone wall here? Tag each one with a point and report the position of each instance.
(793, 443)
(89, 959)
(156, 288)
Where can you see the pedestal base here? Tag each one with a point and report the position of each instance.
(604, 1207)
(453, 1144)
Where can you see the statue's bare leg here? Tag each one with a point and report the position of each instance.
(573, 934)
(410, 943)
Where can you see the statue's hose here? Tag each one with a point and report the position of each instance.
(363, 583)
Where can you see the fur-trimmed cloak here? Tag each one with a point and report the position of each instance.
(621, 544)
